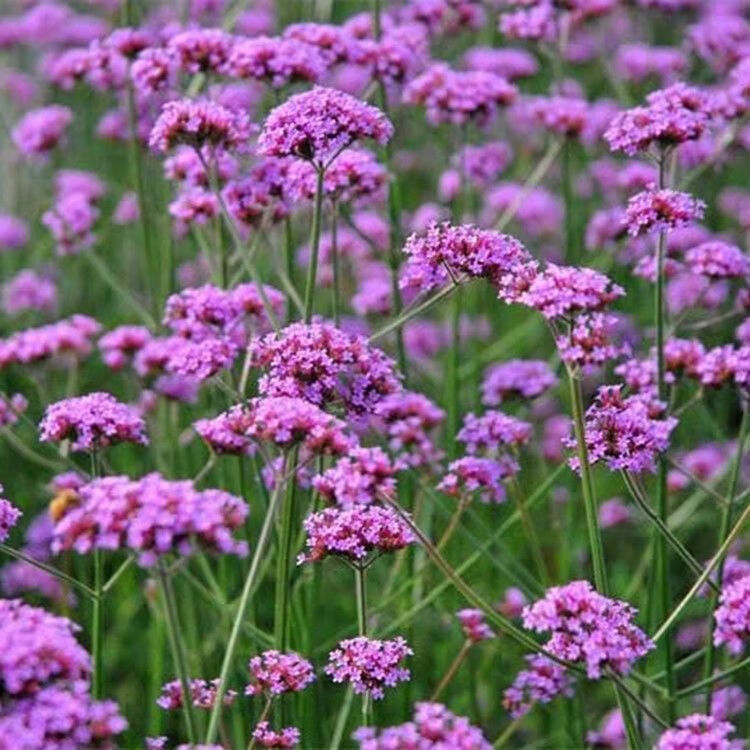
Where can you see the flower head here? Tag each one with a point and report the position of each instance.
(202, 694)
(520, 378)
(41, 130)
(661, 211)
(542, 681)
(9, 516)
(733, 615)
(369, 665)
(363, 476)
(274, 673)
(699, 732)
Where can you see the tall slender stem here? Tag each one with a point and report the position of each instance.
(289, 264)
(361, 595)
(726, 522)
(97, 679)
(283, 558)
(178, 653)
(312, 270)
(662, 556)
(452, 379)
(567, 184)
(452, 669)
(530, 530)
(247, 589)
(336, 265)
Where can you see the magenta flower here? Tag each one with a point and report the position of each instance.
(591, 341)
(626, 433)
(201, 50)
(473, 624)
(433, 726)
(588, 627)
(198, 124)
(446, 251)
(29, 290)
(202, 694)
(38, 132)
(519, 378)
(92, 422)
(152, 517)
(153, 70)
(9, 516)
(70, 221)
(363, 476)
(369, 665)
(508, 62)
(399, 54)
(493, 431)
(267, 737)
(718, 260)
(120, 344)
(484, 476)
(14, 234)
(264, 192)
(661, 211)
(459, 97)
(733, 615)
(700, 732)
(324, 365)
(273, 673)
(317, 125)
(613, 512)
(354, 533)
(541, 682)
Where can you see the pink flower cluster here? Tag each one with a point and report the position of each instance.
(473, 624)
(625, 432)
(733, 615)
(541, 682)
(483, 476)
(433, 726)
(9, 516)
(521, 378)
(369, 665)
(267, 737)
(92, 422)
(363, 476)
(699, 732)
(661, 211)
(273, 673)
(202, 694)
(588, 627)
(150, 516)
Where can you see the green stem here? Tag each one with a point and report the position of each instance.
(450, 673)
(178, 653)
(531, 536)
(567, 184)
(360, 574)
(312, 269)
(336, 264)
(587, 484)
(451, 381)
(662, 556)
(711, 680)
(96, 635)
(726, 522)
(252, 574)
(284, 558)
(289, 263)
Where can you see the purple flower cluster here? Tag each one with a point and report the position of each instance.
(448, 252)
(369, 665)
(661, 211)
(29, 290)
(473, 624)
(273, 673)
(590, 341)
(38, 132)
(459, 97)
(202, 694)
(493, 431)
(483, 476)
(625, 432)
(9, 516)
(699, 732)
(317, 125)
(363, 476)
(733, 615)
(354, 533)
(151, 516)
(433, 726)
(521, 378)
(541, 682)
(92, 422)
(718, 260)
(588, 627)
(324, 365)
(267, 737)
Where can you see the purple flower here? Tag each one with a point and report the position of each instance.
(333, 42)
(446, 251)
(508, 62)
(728, 701)
(522, 378)
(9, 516)
(263, 193)
(202, 694)
(718, 260)
(197, 124)
(637, 62)
(273, 673)
(369, 665)
(92, 422)
(70, 221)
(538, 211)
(121, 343)
(433, 726)
(153, 70)
(317, 125)
(590, 341)
(484, 476)
(354, 532)
(277, 62)
(492, 431)
(322, 364)
(150, 516)
(626, 433)
(611, 733)
(201, 50)
(671, 116)
(397, 56)
(267, 737)
(661, 211)
(541, 682)
(473, 625)
(733, 615)
(407, 420)
(363, 476)
(14, 234)
(699, 732)
(29, 290)
(560, 291)
(38, 132)
(587, 627)
(613, 512)
(459, 97)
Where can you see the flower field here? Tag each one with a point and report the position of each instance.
(374, 374)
